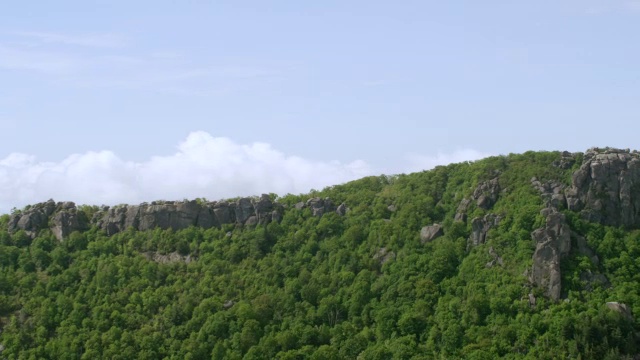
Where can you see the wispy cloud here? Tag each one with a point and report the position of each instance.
(14, 58)
(88, 40)
(202, 166)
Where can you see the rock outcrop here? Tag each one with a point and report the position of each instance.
(486, 194)
(497, 260)
(606, 188)
(622, 309)
(178, 215)
(553, 242)
(63, 218)
(384, 255)
(430, 233)
(481, 226)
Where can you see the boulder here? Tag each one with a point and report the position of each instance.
(622, 309)
(430, 233)
(384, 255)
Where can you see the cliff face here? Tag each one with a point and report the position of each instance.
(606, 188)
(65, 218)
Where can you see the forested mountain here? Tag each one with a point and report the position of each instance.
(529, 256)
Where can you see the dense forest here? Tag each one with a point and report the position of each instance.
(522, 256)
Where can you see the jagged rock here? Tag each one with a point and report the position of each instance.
(486, 194)
(319, 206)
(299, 206)
(174, 215)
(392, 208)
(224, 213)
(553, 242)
(168, 258)
(606, 188)
(532, 300)
(383, 255)
(68, 220)
(552, 193)
(430, 233)
(251, 221)
(622, 309)
(481, 226)
(496, 258)
(276, 216)
(342, 209)
(32, 219)
(566, 161)
(244, 210)
(263, 209)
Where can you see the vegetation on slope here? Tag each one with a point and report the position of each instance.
(361, 285)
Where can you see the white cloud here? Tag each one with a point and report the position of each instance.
(203, 166)
(417, 162)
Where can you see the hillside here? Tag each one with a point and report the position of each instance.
(524, 256)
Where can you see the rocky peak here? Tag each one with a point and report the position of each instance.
(606, 188)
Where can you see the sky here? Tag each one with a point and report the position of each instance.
(105, 102)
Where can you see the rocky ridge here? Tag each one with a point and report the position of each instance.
(63, 218)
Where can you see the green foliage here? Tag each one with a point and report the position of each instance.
(317, 288)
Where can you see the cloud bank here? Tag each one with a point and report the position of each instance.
(203, 166)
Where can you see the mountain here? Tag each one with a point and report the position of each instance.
(524, 256)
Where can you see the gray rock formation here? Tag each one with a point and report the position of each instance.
(384, 255)
(342, 209)
(168, 258)
(64, 218)
(606, 188)
(486, 194)
(481, 226)
(552, 193)
(461, 211)
(68, 219)
(553, 242)
(430, 233)
(32, 219)
(319, 206)
(497, 260)
(622, 309)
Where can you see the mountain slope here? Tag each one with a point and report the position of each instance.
(530, 256)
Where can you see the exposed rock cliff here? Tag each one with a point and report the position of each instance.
(606, 188)
(553, 242)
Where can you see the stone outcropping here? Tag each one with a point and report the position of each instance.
(606, 188)
(553, 242)
(622, 309)
(178, 215)
(485, 196)
(384, 255)
(481, 226)
(63, 218)
(430, 233)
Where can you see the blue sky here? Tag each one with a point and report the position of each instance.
(351, 87)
